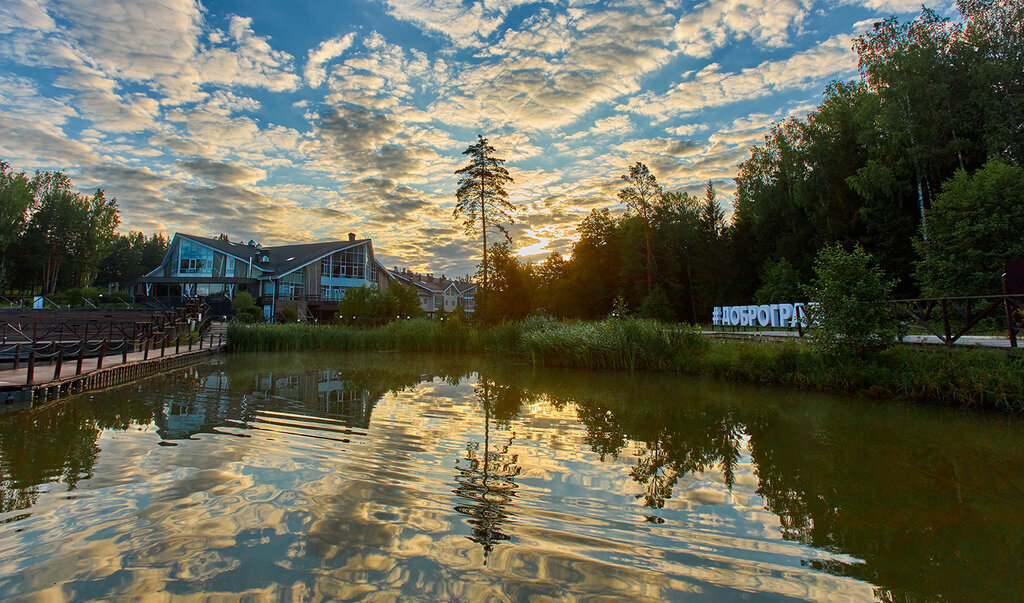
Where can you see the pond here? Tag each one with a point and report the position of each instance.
(390, 477)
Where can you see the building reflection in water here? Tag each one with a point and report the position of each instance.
(209, 401)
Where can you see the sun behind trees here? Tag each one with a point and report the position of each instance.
(483, 201)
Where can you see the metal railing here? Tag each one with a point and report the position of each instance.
(950, 318)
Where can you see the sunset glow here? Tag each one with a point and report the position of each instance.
(287, 122)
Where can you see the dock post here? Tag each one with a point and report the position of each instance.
(124, 351)
(163, 346)
(81, 357)
(145, 349)
(31, 366)
(177, 343)
(103, 352)
(60, 361)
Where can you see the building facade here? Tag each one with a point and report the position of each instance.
(438, 292)
(309, 278)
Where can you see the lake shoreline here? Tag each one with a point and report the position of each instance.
(968, 378)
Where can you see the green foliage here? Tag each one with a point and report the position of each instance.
(973, 228)
(287, 315)
(620, 309)
(370, 305)
(850, 295)
(242, 301)
(510, 291)
(250, 315)
(130, 257)
(78, 297)
(656, 306)
(15, 200)
(245, 308)
(481, 199)
(780, 282)
(642, 195)
(406, 300)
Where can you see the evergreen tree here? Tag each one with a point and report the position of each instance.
(482, 201)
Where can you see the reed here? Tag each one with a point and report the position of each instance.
(959, 377)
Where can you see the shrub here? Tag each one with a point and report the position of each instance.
(850, 303)
(249, 315)
(242, 301)
(656, 306)
(780, 283)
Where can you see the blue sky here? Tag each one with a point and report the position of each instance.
(303, 121)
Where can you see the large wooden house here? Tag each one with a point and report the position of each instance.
(309, 278)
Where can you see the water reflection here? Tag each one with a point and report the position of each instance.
(487, 478)
(350, 476)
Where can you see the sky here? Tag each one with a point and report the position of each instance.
(305, 120)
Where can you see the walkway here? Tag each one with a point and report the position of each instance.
(986, 341)
(48, 381)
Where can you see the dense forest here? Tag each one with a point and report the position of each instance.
(54, 239)
(918, 161)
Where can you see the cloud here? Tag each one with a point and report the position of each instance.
(607, 54)
(711, 87)
(465, 24)
(24, 14)
(712, 24)
(20, 96)
(222, 173)
(613, 125)
(351, 129)
(318, 57)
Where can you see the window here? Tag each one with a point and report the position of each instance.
(194, 258)
(349, 263)
(292, 286)
(329, 292)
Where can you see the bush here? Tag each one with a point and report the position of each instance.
(249, 315)
(780, 283)
(242, 301)
(287, 315)
(656, 306)
(850, 303)
(78, 297)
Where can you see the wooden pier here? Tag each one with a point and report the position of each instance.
(37, 383)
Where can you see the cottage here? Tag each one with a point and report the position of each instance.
(309, 278)
(438, 292)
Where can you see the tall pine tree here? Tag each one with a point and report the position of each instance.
(482, 201)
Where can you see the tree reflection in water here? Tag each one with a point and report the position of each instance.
(487, 479)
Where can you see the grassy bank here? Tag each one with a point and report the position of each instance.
(959, 377)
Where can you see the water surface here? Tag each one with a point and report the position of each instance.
(390, 477)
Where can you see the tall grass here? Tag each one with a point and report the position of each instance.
(960, 377)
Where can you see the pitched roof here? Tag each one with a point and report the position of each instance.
(281, 259)
(436, 284)
(286, 258)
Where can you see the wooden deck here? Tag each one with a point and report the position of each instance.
(48, 381)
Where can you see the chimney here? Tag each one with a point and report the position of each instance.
(351, 236)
